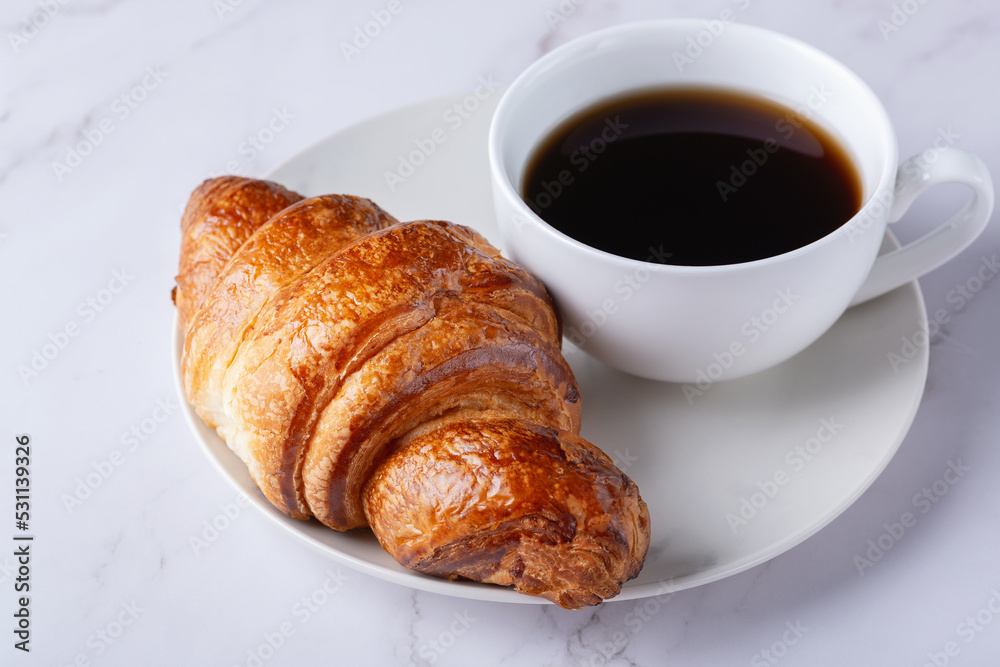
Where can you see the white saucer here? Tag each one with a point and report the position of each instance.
(698, 463)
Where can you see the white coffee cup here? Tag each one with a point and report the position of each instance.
(666, 322)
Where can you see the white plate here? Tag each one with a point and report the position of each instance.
(698, 464)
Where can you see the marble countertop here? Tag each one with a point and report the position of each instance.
(111, 112)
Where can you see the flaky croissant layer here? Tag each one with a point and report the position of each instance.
(369, 371)
(509, 502)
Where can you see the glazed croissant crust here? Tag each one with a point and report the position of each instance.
(404, 376)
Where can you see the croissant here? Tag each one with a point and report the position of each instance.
(403, 376)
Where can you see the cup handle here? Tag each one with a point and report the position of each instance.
(914, 177)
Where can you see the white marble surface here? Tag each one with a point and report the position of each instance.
(171, 92)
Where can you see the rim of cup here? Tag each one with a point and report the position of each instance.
(586, 43)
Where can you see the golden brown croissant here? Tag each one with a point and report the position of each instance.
(559, 519)
(403, 376)
(220, 216)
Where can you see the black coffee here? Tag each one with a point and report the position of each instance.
(692, 177)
